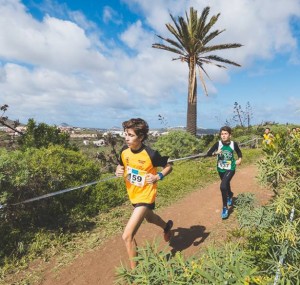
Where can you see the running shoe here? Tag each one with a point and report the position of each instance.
(167, 231)
(224, 213)
(229, 201)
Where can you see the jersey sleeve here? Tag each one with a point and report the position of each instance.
(212, 149)
(159, 160)
(156, 158)
(238, 150)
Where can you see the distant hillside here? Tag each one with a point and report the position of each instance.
(200, 131)
(64, 125)
(207, 131)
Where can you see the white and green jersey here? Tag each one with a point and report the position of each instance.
(225, 160)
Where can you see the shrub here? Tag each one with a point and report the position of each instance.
(229, 265)
(43, 135)
(177, 144)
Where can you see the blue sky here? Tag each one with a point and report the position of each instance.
(90, 63)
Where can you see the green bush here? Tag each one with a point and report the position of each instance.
(43, 135)
(36, 172)
(27, 229)
(228, 265)
(177, 144)
(274, 241)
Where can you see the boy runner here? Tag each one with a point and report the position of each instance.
(138, 165)
(268, 137)
(226, 165)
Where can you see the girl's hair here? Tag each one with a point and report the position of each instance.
(139, 126)
(226, 129)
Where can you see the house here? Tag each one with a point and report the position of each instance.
(100, 142)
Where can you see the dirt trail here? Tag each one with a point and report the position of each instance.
(197, 223)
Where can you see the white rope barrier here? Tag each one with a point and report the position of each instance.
(86, 184)
(106, 179)
(253, 140)
(58, 192)
(96, 182)
(188, 157)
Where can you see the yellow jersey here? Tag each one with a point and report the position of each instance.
(268, 138)
(137, 165)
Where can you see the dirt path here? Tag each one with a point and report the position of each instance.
(197, 222)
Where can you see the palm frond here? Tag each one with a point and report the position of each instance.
(211, 36)
(203, 17)
(211, 22)
(179, 38)
(185, 34)
(202, 79)
(192, 22)
(220, 47)
(176, 24)
(204, 71)
(201, 23)
(180, 34)
(201, 61)
(176, 32)
(167, 48)
(220, 59)
(172, 42)
(182, 58)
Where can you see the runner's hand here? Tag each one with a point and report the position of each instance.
(150, 178)
(119, 171)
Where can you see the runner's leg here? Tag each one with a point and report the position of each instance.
(225, 185)
(131, 229)
(153, 218)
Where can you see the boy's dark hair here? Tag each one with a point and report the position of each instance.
(226, 129)
(267, 129)
(139, 126)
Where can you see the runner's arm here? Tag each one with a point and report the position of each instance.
(120, 167)
(167, 169)
(239, 154)
(213, 149)
(160, 161)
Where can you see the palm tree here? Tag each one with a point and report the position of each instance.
(192, 45)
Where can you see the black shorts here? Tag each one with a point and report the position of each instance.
(149, 206)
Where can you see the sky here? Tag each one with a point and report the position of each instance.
(90, 63)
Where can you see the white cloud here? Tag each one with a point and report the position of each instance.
(59, 69)
(110, 15)
(52, 43)
(263, 27)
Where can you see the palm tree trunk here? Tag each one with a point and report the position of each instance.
(191, 124)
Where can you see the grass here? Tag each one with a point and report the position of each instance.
(61, 248)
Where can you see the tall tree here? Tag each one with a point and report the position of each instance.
(239, 114)
(193, 36)
(7, 123)
(42, 135)
(249, 114)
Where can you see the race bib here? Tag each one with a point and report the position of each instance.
(136, 177)
(224, 164)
